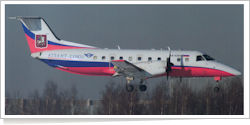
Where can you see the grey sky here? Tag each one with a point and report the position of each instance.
(214, 29)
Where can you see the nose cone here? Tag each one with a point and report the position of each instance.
(228, 71)
(235, 72)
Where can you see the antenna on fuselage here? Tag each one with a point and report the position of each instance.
(118, 47)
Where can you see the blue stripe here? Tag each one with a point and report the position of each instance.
(27, 31)
(66, 63)
(53, 43)
(192, 66)
(32, 35)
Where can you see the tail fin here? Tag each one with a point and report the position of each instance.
(41, 38)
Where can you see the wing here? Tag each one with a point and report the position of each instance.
(125, 68)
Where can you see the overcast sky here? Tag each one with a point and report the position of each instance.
(214, 29)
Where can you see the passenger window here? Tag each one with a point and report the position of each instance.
(178, 59)
(186, 59)
(121, 58)
(149, 58)
(159, 58)
(95, 57)
(103, 57)
(139, 58)
(112, 58)
(130, 58)
(199, 58)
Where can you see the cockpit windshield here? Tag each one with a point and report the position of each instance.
(204, 57)
(207, 57)
(199, 58)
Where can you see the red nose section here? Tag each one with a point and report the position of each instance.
(215, 72)
(198, 72)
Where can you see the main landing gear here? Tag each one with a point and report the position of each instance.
(130, 88)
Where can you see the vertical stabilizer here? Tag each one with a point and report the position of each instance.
(41, 38)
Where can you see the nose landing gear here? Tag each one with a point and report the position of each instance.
(217, 88)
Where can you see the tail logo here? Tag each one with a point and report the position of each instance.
(41, 41)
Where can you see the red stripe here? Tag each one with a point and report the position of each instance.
(118, 60)
(93, 71)
(176, 71)
(198, 72)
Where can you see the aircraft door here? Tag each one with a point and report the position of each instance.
(110, 58)
(201, 62)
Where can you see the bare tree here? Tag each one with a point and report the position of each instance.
(117, 101)
(50, 95)
(159, 99)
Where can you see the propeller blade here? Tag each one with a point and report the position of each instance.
(169, 52)
(168, 68)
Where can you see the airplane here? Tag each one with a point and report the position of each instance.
(132, 64)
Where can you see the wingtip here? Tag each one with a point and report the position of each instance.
(21, 17)
(12, 18)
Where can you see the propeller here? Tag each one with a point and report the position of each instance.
(182, 66)
(169, 68)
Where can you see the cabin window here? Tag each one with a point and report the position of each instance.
(186, 59)
(149, 58)
(103, 57)
(130, 58)
(199, 58)
(112, 58)
(139, 58)
(95, 57)
(159, 58)
(178, 59)
(121, 58)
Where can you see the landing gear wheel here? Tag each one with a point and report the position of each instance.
(216, 89)
(129, 88)
(143, 88)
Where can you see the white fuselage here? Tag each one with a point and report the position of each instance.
(185, 63)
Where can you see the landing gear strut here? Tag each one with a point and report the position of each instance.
(129, 87)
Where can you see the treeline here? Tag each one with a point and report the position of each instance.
(51, 102)
(166, 98)
(175, 98)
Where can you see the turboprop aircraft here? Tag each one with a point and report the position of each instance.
(132, 64)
